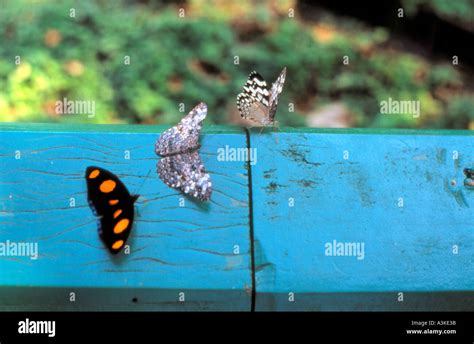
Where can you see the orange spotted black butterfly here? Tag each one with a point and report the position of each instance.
(110, 200)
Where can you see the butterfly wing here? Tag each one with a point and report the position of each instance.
(187, 173)
(185, 135)
(277, 88)
(256, 87)
(181, 167)
(253, 102)
(244, 102)
(110, 200)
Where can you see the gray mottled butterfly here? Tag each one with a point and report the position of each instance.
(181, 166)
(258, 103)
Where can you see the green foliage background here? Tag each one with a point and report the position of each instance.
(177, 60)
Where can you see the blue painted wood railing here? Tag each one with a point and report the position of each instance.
(320, 220)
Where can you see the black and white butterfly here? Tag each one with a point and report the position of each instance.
(181, 166)
(258, 103)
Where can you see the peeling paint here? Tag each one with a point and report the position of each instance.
(359, 181)
(441, 155)
(428, 176)
(298, 155)
(272, 187)
(306, 183)
(420, 157)
(269, 173)
(456, 193)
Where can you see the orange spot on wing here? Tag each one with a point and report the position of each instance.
(94, 174)
(121, 226)
(113, 201)
(116, 245)
(117, 213)
(107, 186)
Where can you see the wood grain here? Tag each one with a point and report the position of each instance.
(174, 249)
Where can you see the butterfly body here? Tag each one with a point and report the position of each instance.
(181, 166)
(110, 200)
(258, 103)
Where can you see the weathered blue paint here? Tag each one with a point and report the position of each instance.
(408, 248)
(190, 249)
(174, 249)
